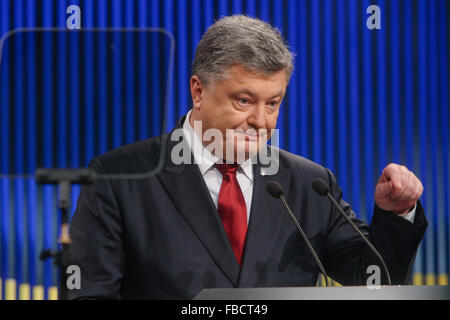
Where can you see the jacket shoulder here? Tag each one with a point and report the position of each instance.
(302, 166)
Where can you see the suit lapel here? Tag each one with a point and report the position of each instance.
(199, 211)
(266, 218)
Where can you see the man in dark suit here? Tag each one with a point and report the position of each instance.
(204, 219)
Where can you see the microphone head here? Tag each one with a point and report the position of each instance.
(321, 187)
(275, 189)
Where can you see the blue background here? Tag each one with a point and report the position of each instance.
(358, 100)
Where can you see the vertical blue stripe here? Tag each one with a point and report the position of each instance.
(32, 259)
(423, 127)
(329, 97)
(143, 57)
(156, 92)
(117, 74)
(48, 123)
(302, 70)
(5, 56)
(316, 98)
(381, 82)
(236, 7)
(19, 222)
(395, 80)
(74, 99)
(292, 92)
(278, 23)
(62, 89)
(5, 227)
(342, 96)
(195, 24)
(4, 148)
(264, 10)
(75, 106)
(61, 84)
(183, 63)
(223, 10)
(368, 119)
(101, 62)
(208, 14)
(89, 82)
(409, 97)
(129, 101)
(354, 104)
(169, 26)
(250, 7)
(438, 247)
(19, 142)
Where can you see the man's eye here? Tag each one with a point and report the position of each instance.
(272, 104)
(243, 101)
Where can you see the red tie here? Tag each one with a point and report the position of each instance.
(232, 209)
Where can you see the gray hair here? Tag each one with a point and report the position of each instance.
(241, 40)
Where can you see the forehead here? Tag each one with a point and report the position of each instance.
(237, 77)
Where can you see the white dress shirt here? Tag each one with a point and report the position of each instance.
(213, 178)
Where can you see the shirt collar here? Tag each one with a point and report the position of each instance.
(203, 157)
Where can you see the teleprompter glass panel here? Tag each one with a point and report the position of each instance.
(68, 96)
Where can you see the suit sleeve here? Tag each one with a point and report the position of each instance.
(96, 233)
(395, 238)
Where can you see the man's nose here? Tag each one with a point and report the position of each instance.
(257, 116)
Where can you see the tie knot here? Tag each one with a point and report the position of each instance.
(227, 168)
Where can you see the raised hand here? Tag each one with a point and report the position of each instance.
(398, 189)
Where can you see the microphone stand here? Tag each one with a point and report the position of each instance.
(64, 178)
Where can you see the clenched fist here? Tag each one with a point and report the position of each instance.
(398, 189)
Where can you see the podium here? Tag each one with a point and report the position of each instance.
(328, 293)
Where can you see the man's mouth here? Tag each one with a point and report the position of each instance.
(250, 135)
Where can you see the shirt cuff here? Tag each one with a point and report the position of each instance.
(410, 215)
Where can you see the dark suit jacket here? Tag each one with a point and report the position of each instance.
(161, 237)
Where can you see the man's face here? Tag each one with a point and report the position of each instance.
(246, 102)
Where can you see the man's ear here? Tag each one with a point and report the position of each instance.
(197, 89)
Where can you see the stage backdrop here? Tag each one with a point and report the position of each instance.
(358, 99)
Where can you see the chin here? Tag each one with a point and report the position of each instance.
(243, 149)
(250, 150)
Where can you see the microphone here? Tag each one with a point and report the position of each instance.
(276, 191)
(321, 187)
